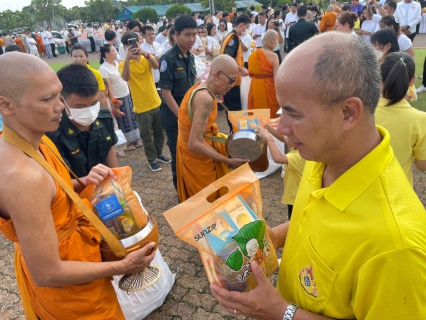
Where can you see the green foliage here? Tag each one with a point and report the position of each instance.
(13, 19)
(257, 6)
(222, 5)
(46, 10)
(283, 2)
(235, 260)
(178, 8)
(100, 10)
(252, 230)
(146, 14)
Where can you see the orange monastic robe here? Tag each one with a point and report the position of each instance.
(18, 42)
(1, 42)
(194, 171)
(78, 241)
(40, 45)
(262, 92)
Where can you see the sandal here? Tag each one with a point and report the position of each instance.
(131, 147)
(120, 154)
(138, 144)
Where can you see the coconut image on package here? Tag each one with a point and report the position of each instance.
(229, 232)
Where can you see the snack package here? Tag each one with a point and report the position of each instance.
(229, 232)
(248, 119)
(115, 203)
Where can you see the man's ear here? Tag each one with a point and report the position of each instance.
(352, 109)
(6, 105)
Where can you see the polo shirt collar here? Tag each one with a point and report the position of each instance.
(351, 184)
(180, 53)
(400, 104)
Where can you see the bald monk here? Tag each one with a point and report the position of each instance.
(18, 42)
(201, 161)
(40, 45)
(57, 257)
(263, 65)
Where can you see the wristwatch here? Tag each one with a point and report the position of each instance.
(198, 49)
(290, 311)
(379, 4)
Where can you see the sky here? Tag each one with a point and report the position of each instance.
(19, 4)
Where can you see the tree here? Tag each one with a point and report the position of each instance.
(14, 19)
(178, 8)
(45, 10)
(146, 14)
(221, 5)
(100, 10)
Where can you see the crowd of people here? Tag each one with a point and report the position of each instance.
(355, 239)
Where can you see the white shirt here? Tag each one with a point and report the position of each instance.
(215, 20)
(369, 26)
(157, 50)
(251, 28)
(229, 26)
(49, 35)
(255, 13)
(410, 18)
(118, 34)
(160, 38)
(45, 37)
(122, 52)
(89, 32)
(290, 17)
(64, 34)
(212, 41)
(119, 87)
(259, 30)
(198, 43)
(32, 44)
(167, 46)
(199, 22)
(221, 35)
(404, 43)
(246, 40)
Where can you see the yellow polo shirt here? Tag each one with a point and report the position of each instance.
(142, 85)
(357, 249)
(407, 128)
(292, 176)
(98, 76)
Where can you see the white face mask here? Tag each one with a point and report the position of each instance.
(379, 54)
(83, 116)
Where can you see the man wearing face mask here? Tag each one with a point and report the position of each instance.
(85, 137)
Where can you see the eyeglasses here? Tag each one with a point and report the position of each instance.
(231, 81)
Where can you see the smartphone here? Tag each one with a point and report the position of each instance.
(133, 43)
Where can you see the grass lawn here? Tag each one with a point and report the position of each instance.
(57, 66)
(419, 56)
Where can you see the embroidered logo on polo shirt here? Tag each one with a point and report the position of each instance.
(75, 152)
(108, 138)
(308, 282)
(70, 131)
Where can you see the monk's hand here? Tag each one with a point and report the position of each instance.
(264, 302)
(137, 261)
(237, 162)
(264, 133)
(98, 174)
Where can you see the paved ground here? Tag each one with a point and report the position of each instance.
(190, 297)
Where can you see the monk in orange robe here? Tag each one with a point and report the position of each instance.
(201, 157)
(40, 45)
(58, 265)
(263, 65)
(18, 42)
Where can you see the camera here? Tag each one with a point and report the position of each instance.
(276, 23)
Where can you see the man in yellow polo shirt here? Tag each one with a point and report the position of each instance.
(136, 70)
(355, 247)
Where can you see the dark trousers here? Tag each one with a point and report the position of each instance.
(424, 73)
(279, 55)
(92, 43)
(412, 36)
(53, 49)
(233, 102)
(290, 210)
(246, 65)
(149, 121)
(170, 125)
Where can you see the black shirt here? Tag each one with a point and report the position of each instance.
(80, 150)
(301, 31)
(232, 46)
(177, 72)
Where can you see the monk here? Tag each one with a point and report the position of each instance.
(57, 257)
(40, 45)
(18, 42)
(263, 65)
(200, 160)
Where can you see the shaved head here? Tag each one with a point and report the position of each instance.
(20, 73)
(269, 36)
(223, 62)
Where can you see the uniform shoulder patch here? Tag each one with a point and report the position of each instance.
(231, 43)
(163, 66)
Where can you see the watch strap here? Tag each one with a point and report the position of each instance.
(290, 311)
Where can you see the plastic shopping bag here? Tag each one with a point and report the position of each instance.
(229, 232)
(244, 91)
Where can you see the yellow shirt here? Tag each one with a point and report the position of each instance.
(407, 128)
(98, 76)
(357, 249)
(142, 86)
(292, 176)
(357, 24)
